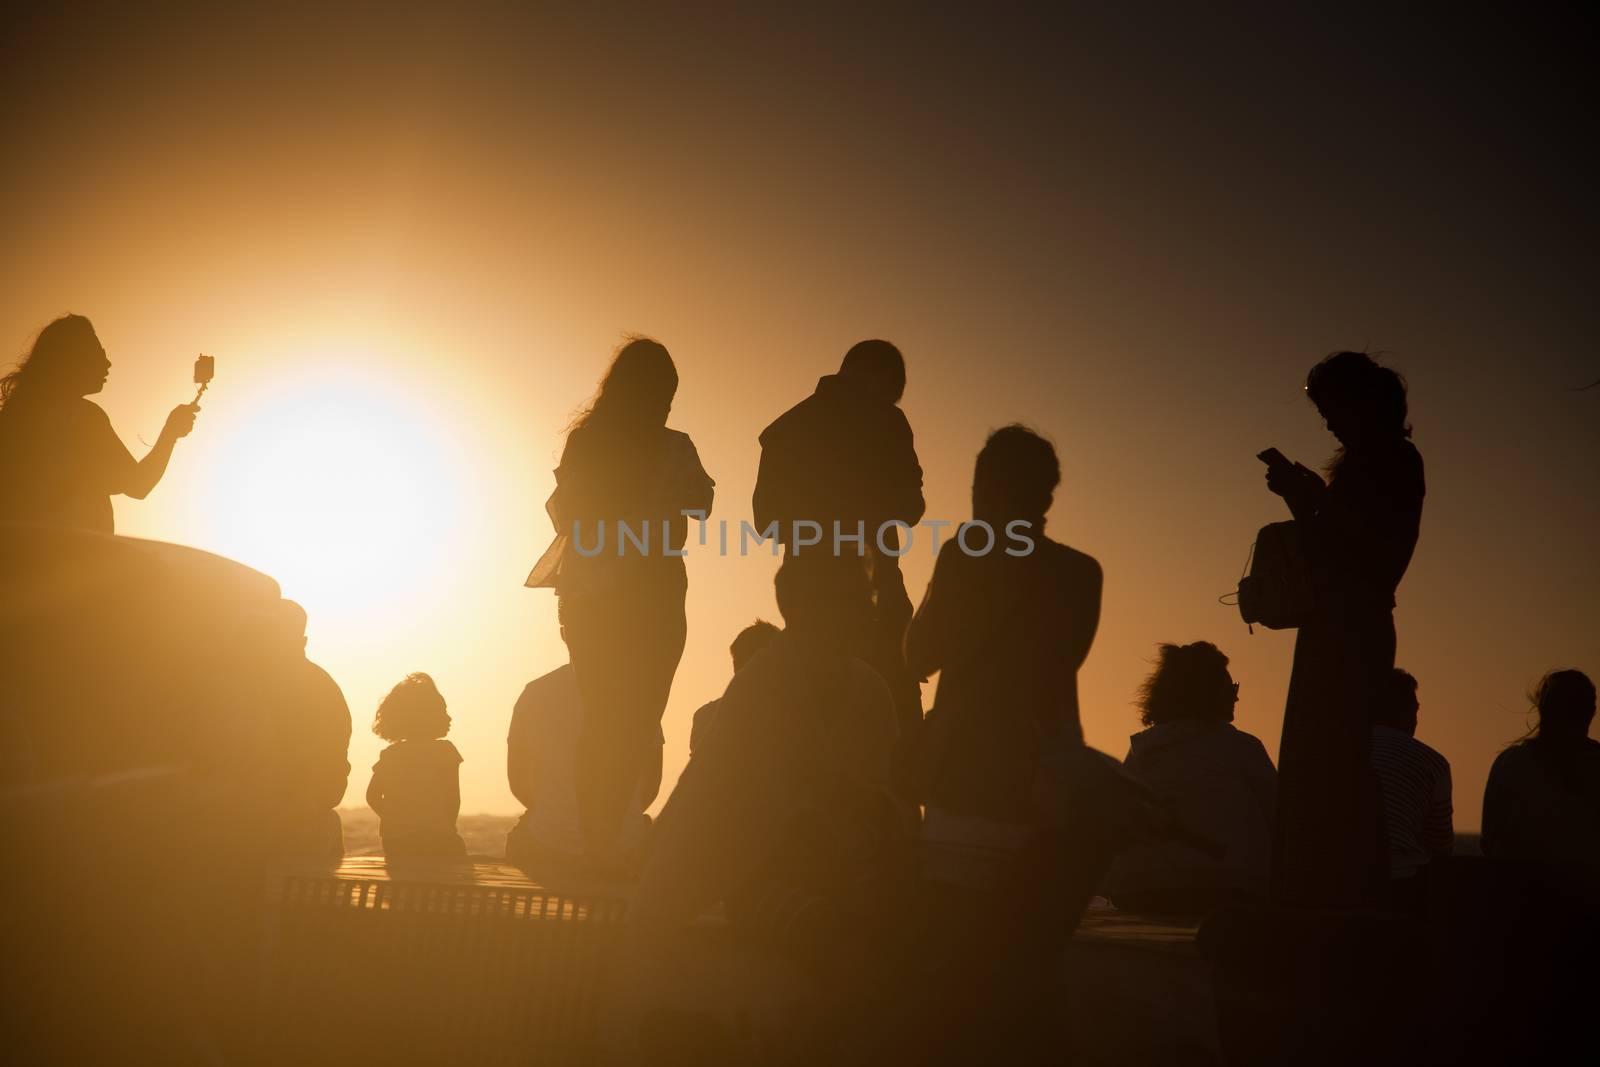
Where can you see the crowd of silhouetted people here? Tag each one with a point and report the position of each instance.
(822, 808)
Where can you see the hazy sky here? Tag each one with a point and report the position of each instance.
(412, 241)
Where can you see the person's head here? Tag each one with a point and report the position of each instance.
(825, 598)
(1397, 702)
(877, 369)
(1015, 477)
(637, 390)
(413, 711)
(66, 360)
(1564, 702)
(1189, 682)
(1362, 402)
(751, 639)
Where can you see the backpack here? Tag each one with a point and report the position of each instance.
(1276, 591)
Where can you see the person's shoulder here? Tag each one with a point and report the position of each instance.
(1431, 755)
(1065, 559)
(548, 685)
(444, 751)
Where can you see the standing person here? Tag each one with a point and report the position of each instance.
(60, 460)
(416, 783)
(623, 473)
(1418, 812)
(1357, 530)
(843, 458)
(1218, 779)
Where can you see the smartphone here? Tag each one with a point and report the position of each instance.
(205, 368)
(1272, 458)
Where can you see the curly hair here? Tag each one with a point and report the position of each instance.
(1188, 683)
(413, 711)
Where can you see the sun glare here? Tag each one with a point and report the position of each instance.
(355, 495)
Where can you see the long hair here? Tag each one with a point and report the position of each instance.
(1563, 703)
(414, 710)
(1354, 381)
(640, 381)
(1186, 684)
(49, 357)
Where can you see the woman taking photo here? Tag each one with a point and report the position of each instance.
(60, 460)
(624, 482)
(1357, 530)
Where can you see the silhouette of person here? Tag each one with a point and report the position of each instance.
(623, 473)
(541, 767)
(60, 460)
(1007, 881)
(1414, 780)
(752, 639)
(1006, 633)
(1542, 801)
(1217, 777)
(1357, 530)
(416, 785)
(787, 799)
(845, 456)
(310, 741)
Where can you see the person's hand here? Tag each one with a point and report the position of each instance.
(1292, 480)
(180, 421)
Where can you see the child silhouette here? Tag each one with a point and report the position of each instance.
(415, 787)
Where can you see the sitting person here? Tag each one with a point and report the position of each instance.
(1542, 801)
(416, 786)
(751, 639)
(541, 764)
(1218, 779)
(1415, 782)
(312, 745)
(787, 800)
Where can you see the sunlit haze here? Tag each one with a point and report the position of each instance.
(412, 248)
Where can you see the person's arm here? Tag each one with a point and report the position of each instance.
(375, 793)
(1084, 623)
(903, 499)
(933, 630)
(144, 474)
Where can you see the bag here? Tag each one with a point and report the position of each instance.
(1276, 592)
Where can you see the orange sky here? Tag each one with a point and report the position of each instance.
(414, 240)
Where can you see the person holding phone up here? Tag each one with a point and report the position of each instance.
(1358, 530)
(60, 460)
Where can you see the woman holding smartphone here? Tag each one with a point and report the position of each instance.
(1358, 530)
(60, 460)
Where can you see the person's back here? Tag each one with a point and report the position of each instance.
(1417, 806)
(842, 455)
(1542, 800)
(317, 765)
(1414, 781)
(1007, 635)
(541, 768)
(1220, 782)
(416, 786)
(1007, 630)
(805, 733)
